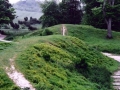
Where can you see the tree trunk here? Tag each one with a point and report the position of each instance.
(108, 21)
(109, 31)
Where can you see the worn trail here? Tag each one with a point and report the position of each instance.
(2, 38)
(17, 77)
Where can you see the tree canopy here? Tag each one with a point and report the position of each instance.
(94, 13)
(6, 12)
(68, 11)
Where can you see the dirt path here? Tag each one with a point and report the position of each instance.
(17, 77)
(63, 30)
(116, 75)
(2, 38)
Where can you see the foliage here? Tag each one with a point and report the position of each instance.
(51, 14)
(47, 32)
(4, 45)
(5, 82)
(7, 12)
(64, 12)
(94, 13)
(94, 37)
(52, 64)
(71, 11)
(90, 17)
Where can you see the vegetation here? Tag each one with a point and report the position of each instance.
(51, 14)
(51, 61)
(101, 11)
(7, 12)
(64, 62)
(68, 12)
(54, 63)
(5, 82)
(94, 37)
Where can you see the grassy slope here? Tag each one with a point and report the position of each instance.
(58, 62)
(89, 77)
(92, 36)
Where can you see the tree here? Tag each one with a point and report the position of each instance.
(106, 10)
(92, 15)
(6, 12)
(68, 11)
(71, 11)
(51, 14)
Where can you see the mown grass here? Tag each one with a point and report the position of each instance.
(66, 63)
(94, 37)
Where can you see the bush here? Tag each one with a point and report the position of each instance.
(47, 32)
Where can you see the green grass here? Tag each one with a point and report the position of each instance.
(5, 82)
(63, 63)
(66, 63)
(94, 37)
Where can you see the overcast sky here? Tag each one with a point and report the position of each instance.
(13, 1)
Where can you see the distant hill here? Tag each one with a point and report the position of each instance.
(28, 5)
(27, 8)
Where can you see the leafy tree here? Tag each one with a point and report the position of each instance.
(51, 14)
(101, 11)
(6, 12)
(71, 11)
(95, 19)
(68, 11)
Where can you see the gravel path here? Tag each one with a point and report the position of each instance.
(64, 30)
(116, 75)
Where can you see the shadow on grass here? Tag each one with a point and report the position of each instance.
(99, 75)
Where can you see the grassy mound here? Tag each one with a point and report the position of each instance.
(93, 36)
(65, 63)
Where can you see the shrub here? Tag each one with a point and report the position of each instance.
(47, 32)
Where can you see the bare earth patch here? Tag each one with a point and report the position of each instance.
(2, 36)
(63, 30)
(17, 77)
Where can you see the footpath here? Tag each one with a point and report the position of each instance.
(2, 38)
(17, 77)
(116, 75)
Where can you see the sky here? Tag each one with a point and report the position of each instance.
(13, 1)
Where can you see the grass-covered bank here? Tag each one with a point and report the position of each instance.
(94, 37)
(67, 63)
(57, 62)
